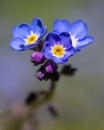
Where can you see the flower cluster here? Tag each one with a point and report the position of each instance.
(65, 40)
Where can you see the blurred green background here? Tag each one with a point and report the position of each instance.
(80, 99)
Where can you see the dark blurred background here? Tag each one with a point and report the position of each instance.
(80, 99)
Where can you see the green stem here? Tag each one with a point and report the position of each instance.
(49, 95)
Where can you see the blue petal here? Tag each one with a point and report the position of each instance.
(21, 31)
(68, 53)
(58, 60)
(31, 45)
(53, 38)
(82, 43)
(43, 32)
(64, 61)
(65, 40)
(37, 26)
(17, 44)
(61, 26)
(47, 51)
(79, 29)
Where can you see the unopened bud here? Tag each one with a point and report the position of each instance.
(37, 58)
(50, 67)
(40, 75)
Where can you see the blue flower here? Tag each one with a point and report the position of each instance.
(27, 36)
(78, 31)
(58, 47)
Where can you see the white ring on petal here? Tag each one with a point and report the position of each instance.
(74, 40)
(26, 39)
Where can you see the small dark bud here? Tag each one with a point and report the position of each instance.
(68, 70)
(50, 67)
(40, 75)
(54, 76)
(53, 111)
(31, 98)
(48, 71)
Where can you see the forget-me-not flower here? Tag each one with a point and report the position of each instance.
(58, 47)
(27, 36)
(78, 31)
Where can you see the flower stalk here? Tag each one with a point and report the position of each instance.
(48, 95)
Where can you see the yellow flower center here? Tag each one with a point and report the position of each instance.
(58, 50)
(32, 39)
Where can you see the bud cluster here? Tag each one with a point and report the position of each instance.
(48, 68)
